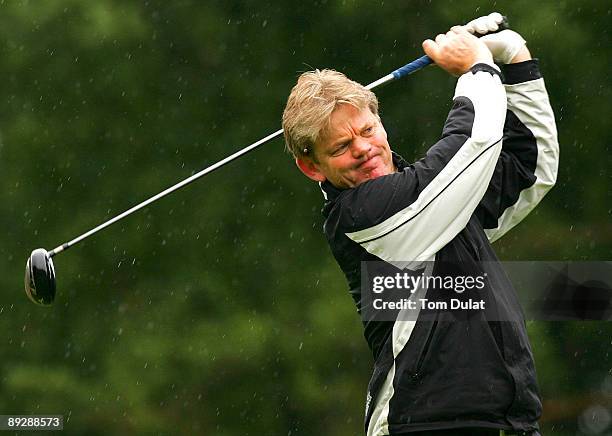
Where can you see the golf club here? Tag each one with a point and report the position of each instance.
(40, 285)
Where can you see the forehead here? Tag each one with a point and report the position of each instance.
(348, 113)
(345, 118)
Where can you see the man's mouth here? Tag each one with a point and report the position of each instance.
(369, 164)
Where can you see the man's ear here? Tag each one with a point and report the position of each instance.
(310, 169)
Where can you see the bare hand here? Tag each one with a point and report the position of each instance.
(457, 51)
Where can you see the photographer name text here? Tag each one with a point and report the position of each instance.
(424, 303)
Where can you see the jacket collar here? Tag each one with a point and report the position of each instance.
(330, 192)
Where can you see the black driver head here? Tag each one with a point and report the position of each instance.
(40, 277)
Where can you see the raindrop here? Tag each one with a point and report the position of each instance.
(595, 420)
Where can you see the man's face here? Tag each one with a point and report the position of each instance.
(354, 150)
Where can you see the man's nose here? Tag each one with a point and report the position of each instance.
(360, 147)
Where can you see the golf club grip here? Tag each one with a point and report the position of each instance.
(423, 61)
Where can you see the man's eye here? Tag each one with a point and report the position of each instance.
(368, 130)
(340, 149)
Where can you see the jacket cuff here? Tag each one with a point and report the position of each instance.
(492, 69)
(521, 72)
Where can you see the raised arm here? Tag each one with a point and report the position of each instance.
(527, 167)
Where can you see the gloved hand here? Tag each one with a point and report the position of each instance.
(505, 45)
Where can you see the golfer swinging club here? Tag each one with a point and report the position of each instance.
(496, 159)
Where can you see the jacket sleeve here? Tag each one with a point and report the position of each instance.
(527, 167)
(412, 214)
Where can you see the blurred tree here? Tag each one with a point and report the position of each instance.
(220, 310)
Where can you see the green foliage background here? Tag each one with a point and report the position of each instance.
(220, 310)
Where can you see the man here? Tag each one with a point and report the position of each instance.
(446, 374)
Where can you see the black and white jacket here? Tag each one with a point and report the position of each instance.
(497, 158)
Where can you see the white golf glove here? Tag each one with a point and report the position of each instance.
(504, 45)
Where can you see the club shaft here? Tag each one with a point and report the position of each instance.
(409, 68)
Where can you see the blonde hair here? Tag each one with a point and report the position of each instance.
(312, 100)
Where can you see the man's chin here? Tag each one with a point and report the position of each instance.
(361, 178)
(374, 174)
(369, 176)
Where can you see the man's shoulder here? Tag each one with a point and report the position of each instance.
(368, 204)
